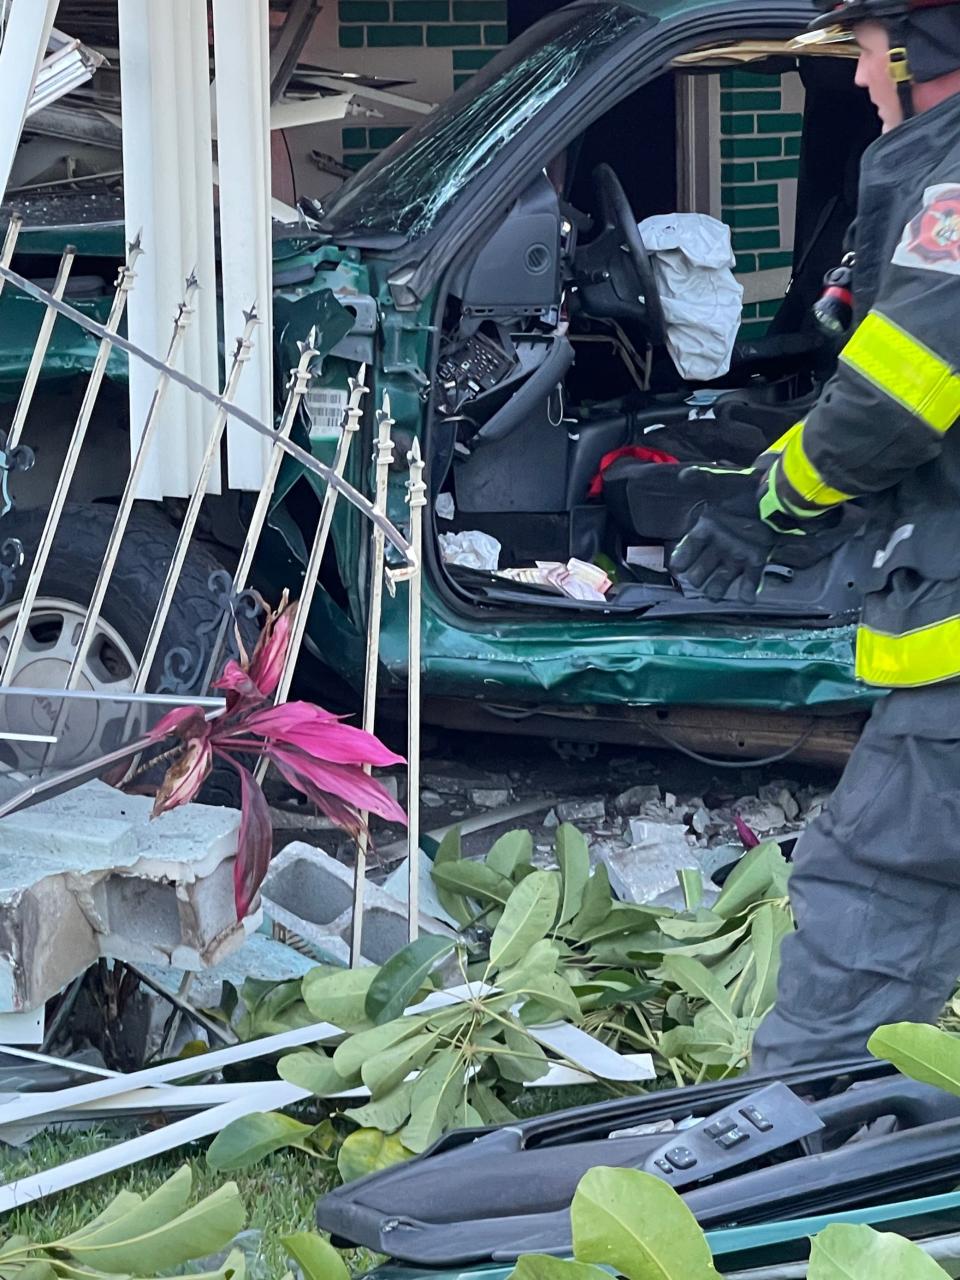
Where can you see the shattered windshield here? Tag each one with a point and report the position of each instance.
(411, 184)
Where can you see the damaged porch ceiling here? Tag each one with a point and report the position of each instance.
(735, 53)
(95, 21)
(89, 117)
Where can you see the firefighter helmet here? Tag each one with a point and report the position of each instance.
(847, 13)
(924, 36)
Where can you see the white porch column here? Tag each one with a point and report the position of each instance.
(168, 195)
(242, 84)
(26, 31)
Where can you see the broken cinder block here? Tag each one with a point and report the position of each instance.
(634, 798)
(311, 894)
(89, 874)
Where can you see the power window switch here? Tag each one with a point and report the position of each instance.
(732, 1139)
(757, 1119)
(719, 1127)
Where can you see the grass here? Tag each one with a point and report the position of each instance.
(280, 1193)
(540, 1102)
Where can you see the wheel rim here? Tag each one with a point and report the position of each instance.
(92, 726)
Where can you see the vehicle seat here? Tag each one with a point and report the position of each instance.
(646, 502)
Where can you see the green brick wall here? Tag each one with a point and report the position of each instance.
(464, 33)
(759, 150)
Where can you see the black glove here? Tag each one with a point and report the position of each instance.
(721, 549)
(728, 542)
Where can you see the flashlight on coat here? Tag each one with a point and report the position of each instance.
(833, 310)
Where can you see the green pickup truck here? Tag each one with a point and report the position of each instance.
(488, 270)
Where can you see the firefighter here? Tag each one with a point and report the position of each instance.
(876, 882)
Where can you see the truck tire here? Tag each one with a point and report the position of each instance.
(65, 592)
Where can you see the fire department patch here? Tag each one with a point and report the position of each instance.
(931, 240)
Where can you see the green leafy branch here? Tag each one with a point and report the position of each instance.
(689, 987)
(138, 1236)
(636, 1226)
(450, 1066)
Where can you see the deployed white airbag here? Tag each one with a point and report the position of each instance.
(702, 303)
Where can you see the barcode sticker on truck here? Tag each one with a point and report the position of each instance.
(326, 407)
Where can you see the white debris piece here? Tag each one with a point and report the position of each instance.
(89, 874)
(470, 550)
(702, 820)
(445, 506)
(490, 797)
(641, 871)
(779, 793)
(634, 798)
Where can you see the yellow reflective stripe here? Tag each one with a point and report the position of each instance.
(905, 370)
(804, 478)
(770, 503)
(778, 446)
(774, 504)
(925, 656)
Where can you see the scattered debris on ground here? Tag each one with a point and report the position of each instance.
(118, 922)
(645, 814)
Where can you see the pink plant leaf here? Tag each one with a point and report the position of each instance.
(748, 838)
(185, 722)
(254, 843)
(266, 665)
(330, 806)
(338, 812)
(347, 782)
(319, 734)
(185, 776)
(237, 684)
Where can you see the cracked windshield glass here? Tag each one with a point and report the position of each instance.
(414, 182)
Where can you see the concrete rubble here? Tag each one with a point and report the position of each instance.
(647, 867)
(646, 815)
(634, 798)
(260, 958)
(577, 811)
(763, 817)
(89, 874)
(397, 885)
(490, 797)
(644, 831)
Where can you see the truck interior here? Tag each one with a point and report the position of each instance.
(553, 381)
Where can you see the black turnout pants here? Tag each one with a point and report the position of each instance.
(875, 890)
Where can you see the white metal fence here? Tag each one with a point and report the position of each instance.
(69, 729)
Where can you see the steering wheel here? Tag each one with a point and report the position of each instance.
(614, 272)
